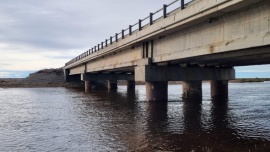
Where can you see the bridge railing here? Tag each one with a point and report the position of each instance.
(140, 25)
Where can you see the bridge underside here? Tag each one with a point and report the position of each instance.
(200, 46)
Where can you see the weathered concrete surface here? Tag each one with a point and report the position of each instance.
(157, 91)
(162, 73)
(77, 70)
(87, 86)
(214, 34)
(205, 28)
(106, 76)
(192, 89)
(242, 29)
(219, 89)
(123, 58)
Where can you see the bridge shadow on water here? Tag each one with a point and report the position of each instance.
(184, 125)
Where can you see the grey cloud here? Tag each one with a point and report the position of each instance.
(62, 24)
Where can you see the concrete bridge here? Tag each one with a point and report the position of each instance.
(200, 40)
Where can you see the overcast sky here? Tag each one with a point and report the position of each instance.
(37, 34)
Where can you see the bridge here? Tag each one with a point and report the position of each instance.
(182, 41)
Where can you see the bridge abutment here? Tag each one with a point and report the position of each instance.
(219, 89)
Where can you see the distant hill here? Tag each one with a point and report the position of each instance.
(41, 78)
(45, 76)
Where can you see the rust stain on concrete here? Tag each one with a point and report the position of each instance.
(211, 49)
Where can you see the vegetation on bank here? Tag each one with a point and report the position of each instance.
(246, 80)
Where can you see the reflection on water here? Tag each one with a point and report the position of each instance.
(60, 119)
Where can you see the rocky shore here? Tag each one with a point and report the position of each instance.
(41, 78)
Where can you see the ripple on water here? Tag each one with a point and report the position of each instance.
(59, 119)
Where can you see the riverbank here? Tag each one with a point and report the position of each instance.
(55, 78)
(248, 80)
(41, 78)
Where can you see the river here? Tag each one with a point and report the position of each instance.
(63, 119)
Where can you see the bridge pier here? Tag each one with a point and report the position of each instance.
(103, 81)
(157, 77)
(94, 85)
(157, 91)
(112, 85)
(87, 86)
(131, 85)
(192, 89)
(219, 89)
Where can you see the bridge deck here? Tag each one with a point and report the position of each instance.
(207, 32)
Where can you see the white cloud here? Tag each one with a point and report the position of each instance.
(48, 33)
(36, 34)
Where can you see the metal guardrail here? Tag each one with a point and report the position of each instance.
(130, 30)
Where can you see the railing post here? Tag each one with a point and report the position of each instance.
(116, 37)
(130, 29)
(98, 46)
(102, 45)
(182, 4)
(111, 40)
(123, 34)
(151, 18)
(95, 48)
(140, 25)
(164, 11)
(106, 43)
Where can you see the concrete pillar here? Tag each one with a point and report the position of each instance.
(112, 85)
(192, 89)
(157, 91)
(130, 85)
(87, 86)
(219, 89)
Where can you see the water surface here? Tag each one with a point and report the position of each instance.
(61, 119)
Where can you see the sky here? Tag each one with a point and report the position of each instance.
(38, 34)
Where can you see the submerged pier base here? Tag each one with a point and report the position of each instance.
(192, 89)
(131, 85)
(112, 85)
(157, 91)
(219, 89)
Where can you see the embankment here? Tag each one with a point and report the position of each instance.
(41, 78)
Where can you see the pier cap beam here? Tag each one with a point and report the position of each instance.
(103, 76)
(156, 73)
